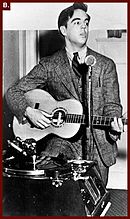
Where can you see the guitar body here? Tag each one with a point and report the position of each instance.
(67, 115)
(44, 101)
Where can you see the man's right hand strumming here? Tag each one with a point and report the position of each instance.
(39, 118)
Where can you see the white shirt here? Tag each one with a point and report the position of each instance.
(81, 55)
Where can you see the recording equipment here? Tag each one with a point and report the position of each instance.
(26, 147)
(72, 189)
(23, 150)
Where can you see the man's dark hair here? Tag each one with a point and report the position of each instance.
(68, 13)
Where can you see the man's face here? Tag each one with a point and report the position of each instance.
(76, 32)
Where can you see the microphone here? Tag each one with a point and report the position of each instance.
(90, 60)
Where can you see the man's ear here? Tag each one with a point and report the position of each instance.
(63, 30)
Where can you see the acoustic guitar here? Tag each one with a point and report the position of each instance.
(67, 116)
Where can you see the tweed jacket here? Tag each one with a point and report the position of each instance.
(53, 74)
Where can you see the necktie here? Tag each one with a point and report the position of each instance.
(75, 64)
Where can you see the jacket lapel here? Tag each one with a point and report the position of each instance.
(64, 72)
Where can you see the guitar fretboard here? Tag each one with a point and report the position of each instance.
(96, 120)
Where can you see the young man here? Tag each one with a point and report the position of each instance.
(55, 75)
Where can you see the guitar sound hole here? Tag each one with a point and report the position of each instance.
(59, 116)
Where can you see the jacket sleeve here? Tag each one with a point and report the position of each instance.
(15, 95)
(111, 95)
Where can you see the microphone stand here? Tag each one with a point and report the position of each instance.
(87, 111)
(89, 130)
(87, 105)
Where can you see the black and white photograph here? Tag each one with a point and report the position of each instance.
(64, 91)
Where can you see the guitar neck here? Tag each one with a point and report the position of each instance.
(96, 120)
